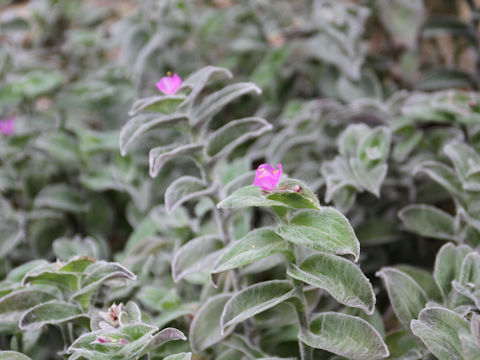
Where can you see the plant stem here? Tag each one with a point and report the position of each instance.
(301, 309)
(225, 236)
(222, 218)
(306, 352)
(66, 342)
(19, 337)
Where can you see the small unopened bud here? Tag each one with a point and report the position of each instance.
(104, 340)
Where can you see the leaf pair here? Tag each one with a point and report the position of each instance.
(362, 164)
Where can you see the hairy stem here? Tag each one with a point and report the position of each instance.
(19, 337)
(66, 341)
(301, 309)
(221, 219)
(306, 352)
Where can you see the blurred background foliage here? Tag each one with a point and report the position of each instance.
(401, 71)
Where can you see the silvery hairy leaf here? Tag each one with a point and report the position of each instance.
(256, 245)
(339, 277)
(325, 230)
(184, 189)
(52, 312)
(139, 125)
(254, 300)
(198, 255)
(445, 334)
(406, 296)
(344, 335)
(206, 329)
(216, 101)
(428, 221)
(13, 355)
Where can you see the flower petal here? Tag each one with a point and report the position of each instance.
(267, 176)
(169, 84)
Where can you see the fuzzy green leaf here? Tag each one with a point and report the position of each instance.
(160, 155)
(60, 197)
(12, 355)
(139, 125)
(428, 221)
(205, 329)
(53, 312)
(406, 296)
(199, 79)
(424, 279)
(448, 266)
(443, 175)
(344, 335)
(184, 189)
(375, 146)
(339, 277)
(60, 146)
(224, 140)
(11, 235)
(247, 196)
(468, 282)
(215, 102)
(256, 245)
(15, 304)
(467, 164)
(77, 264)
(159, 104)
(66, 281)
(165, 335)
(295, 194)
(198, 255)
(325, 230)
(254, 300)
(370, 179)
(443, 332)
(95, 275)
(130, 314)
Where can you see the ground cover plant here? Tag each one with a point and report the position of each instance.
(289, 179)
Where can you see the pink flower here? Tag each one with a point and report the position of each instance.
(6, 126)
(267, 176)
(169, 84)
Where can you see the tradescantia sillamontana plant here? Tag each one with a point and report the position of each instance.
(308, 248)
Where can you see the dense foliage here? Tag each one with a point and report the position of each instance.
(138, 219)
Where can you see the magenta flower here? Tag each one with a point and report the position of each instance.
(169, 84)
(6, 126)
(267, 176)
